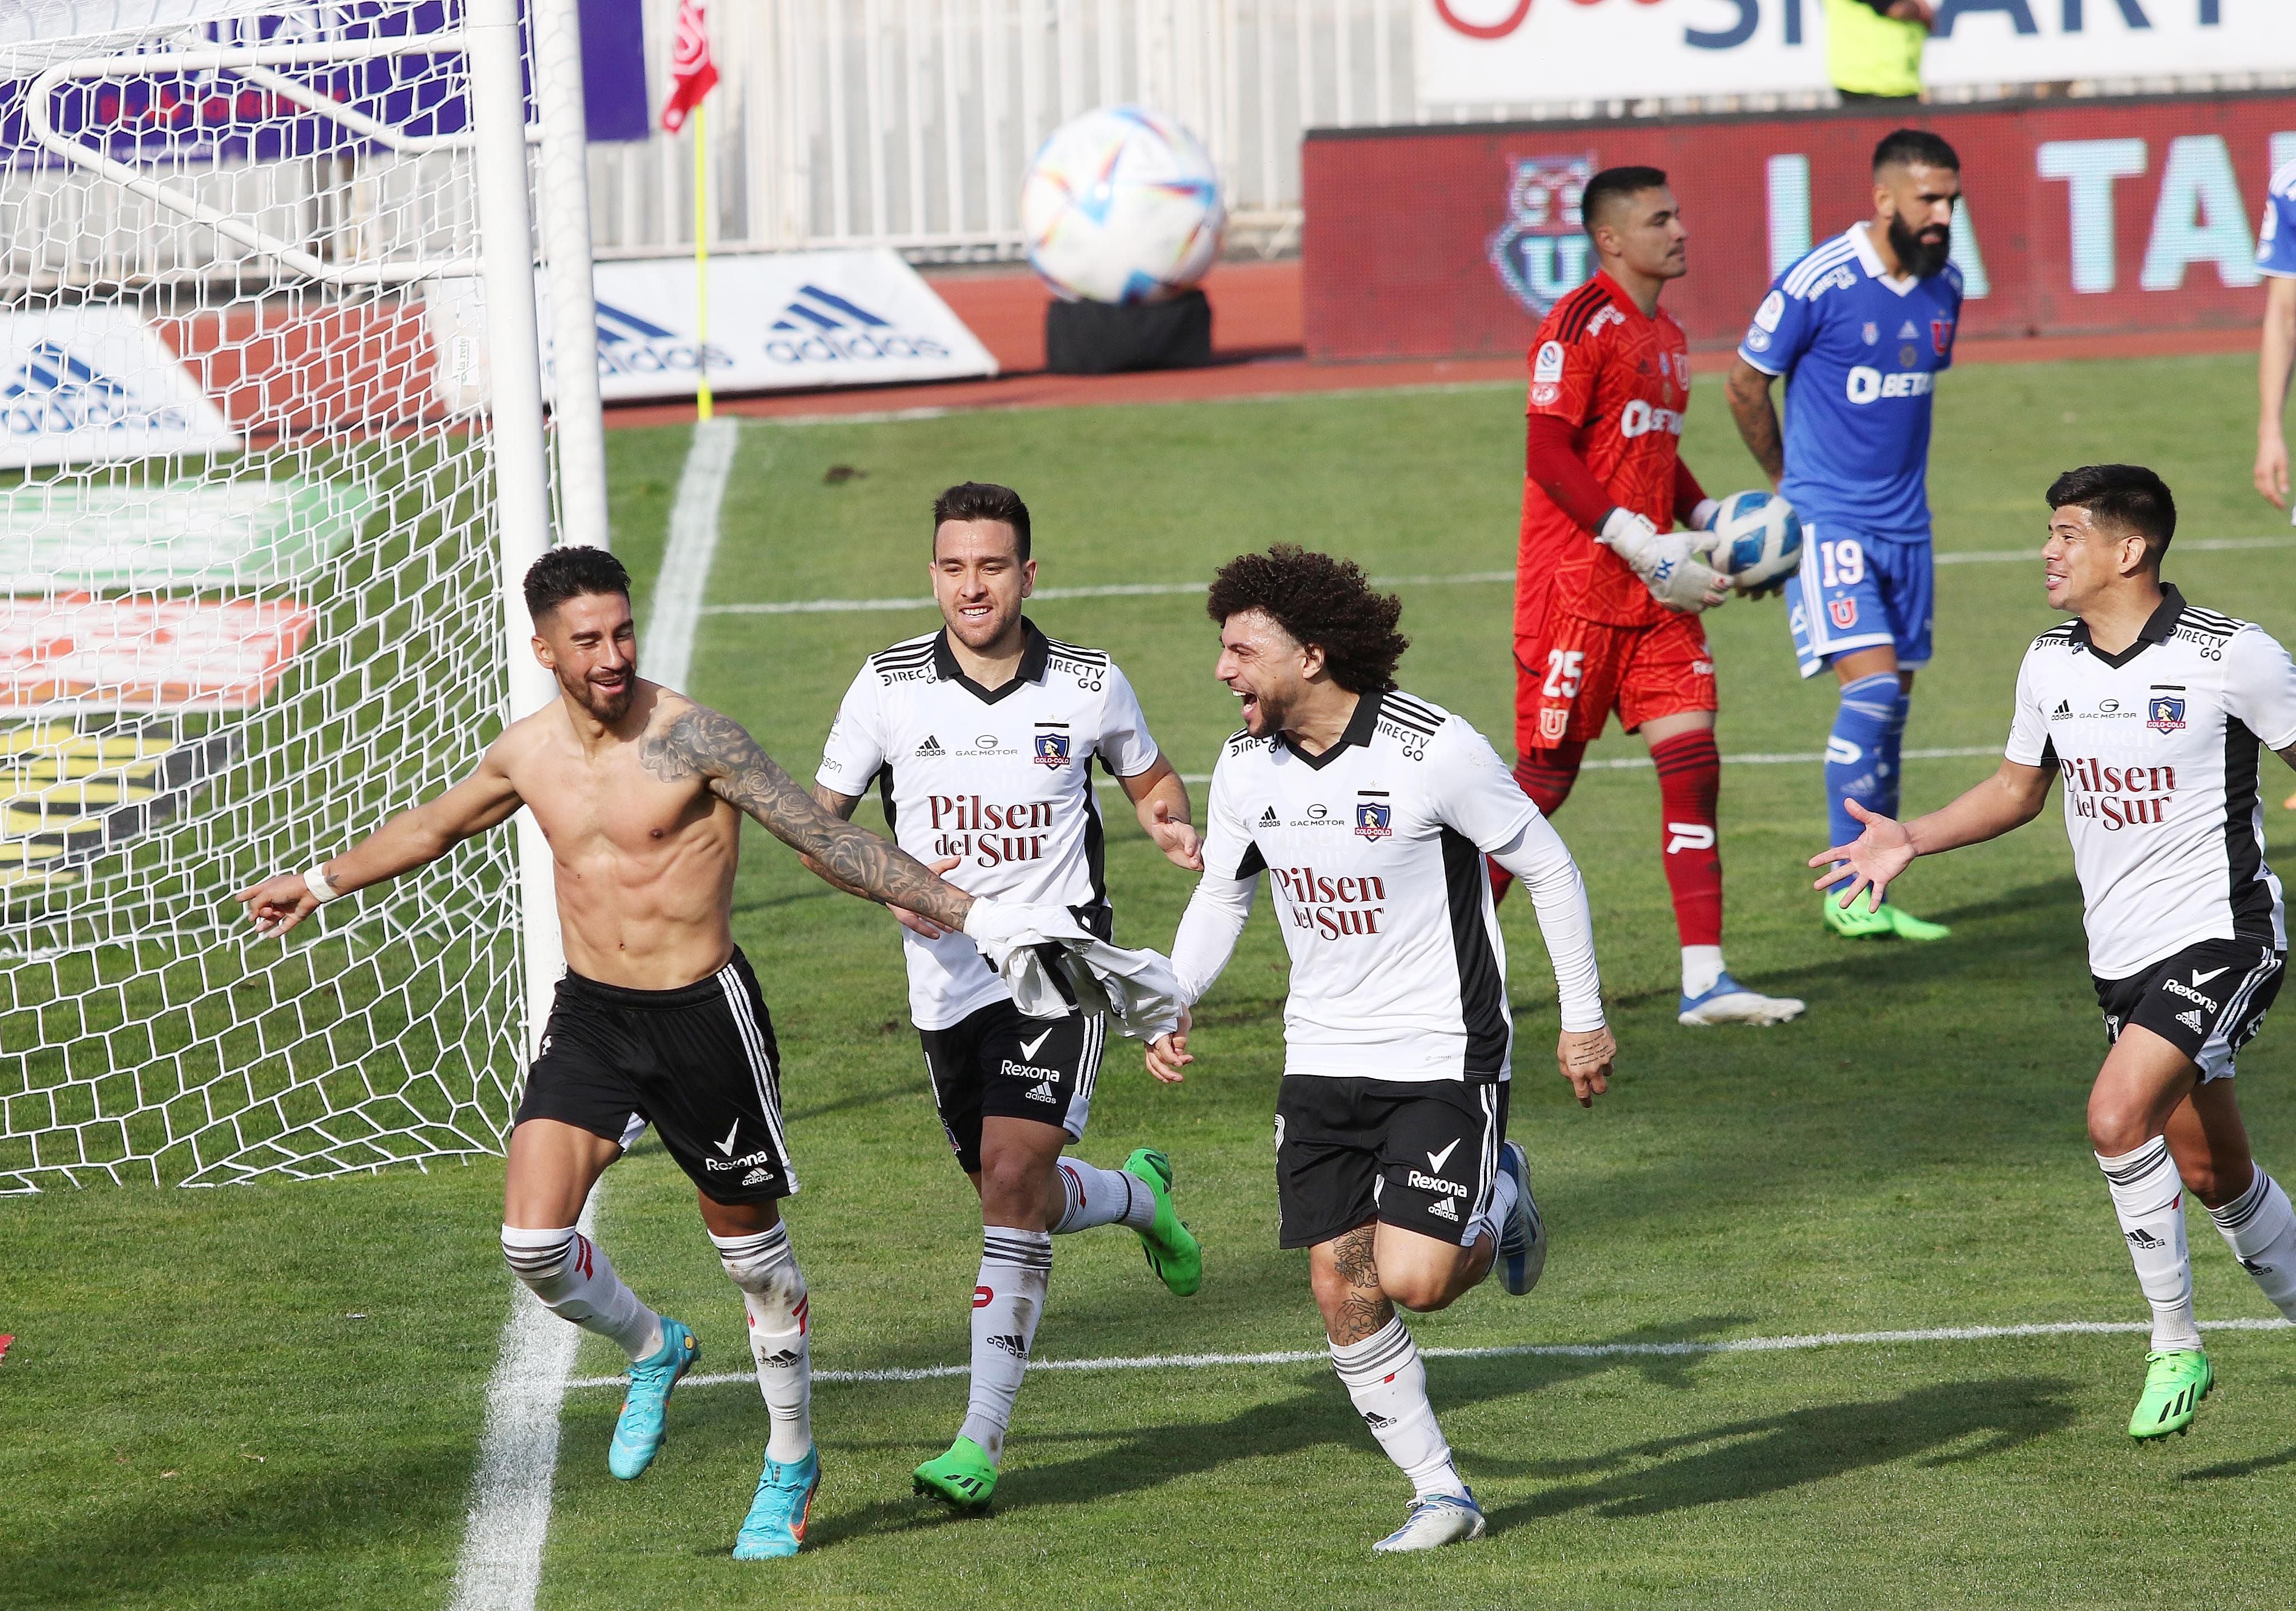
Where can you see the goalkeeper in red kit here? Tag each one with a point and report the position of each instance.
(1607, 593)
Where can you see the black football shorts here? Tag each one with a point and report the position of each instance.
(1418, 1155)
(699, 1064)
(2208, 1001)
(997, 1063)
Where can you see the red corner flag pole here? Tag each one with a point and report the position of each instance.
(692, 75)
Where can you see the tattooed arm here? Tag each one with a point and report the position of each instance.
(699, 742)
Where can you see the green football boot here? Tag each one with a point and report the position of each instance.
(1174, 1254)
(2175, 1381)
(964, 1478)
(1854, 922)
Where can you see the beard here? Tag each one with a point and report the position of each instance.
(1917, 257)
(607, 705)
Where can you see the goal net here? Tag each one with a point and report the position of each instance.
(255, 527)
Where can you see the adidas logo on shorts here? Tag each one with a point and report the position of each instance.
(2191, 1020)
(1446, 1209)
(1042, 1092)
(756, 1177)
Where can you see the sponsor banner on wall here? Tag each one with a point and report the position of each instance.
(94, 385)
(1515, 52)
(63, 536)
(146, 654)
(787, 321)
(2082, 216)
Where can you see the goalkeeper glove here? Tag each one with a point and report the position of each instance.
(1665, 562)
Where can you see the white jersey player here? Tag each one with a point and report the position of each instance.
(980, 738)
(2155, 713)
(1371, 812)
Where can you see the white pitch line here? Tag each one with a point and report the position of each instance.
(1142, 589)
(692, 547)
(501, 1563)
(1315, 1356)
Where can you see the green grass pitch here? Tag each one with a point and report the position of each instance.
(271, 1395)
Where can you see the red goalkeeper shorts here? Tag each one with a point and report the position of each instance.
(1569, 679)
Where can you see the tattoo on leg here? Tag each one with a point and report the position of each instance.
(1364, 1309)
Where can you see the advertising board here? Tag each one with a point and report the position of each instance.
(1498, 53)
(2080, 217)
(95, 384)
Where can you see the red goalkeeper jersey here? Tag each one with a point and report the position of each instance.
(1620, 381)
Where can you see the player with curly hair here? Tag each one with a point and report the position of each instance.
(1371, 812)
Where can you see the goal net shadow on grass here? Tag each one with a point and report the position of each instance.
(253, 601)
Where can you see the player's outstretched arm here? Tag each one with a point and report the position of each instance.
(1160, 800)
(1542, 863)
(699, 741)
(1749, 393)
(411, 840)
(2276, 357)
(1209, 931)
(2010, 798)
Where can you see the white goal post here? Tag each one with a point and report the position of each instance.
(274, 458)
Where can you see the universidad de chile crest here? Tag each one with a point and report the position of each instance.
(1541, 251)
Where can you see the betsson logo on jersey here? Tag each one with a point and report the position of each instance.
(2118, 797)
(990, 834)
(1867, 384)
(1332, 907)
(1638, 418)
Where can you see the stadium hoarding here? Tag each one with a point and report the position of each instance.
(95, 384)
(2087, 217)
(145, 654)
(778, 321)
(1514, 52)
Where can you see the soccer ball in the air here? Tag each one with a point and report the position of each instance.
(1121, 205)
(1755, 540)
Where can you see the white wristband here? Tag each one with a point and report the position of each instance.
(315, 882)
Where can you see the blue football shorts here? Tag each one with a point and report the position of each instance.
(1855, 591)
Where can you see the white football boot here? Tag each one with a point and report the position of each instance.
(1730, 1003)
(1435, 1521)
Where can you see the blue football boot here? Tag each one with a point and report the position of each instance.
(643, 1427)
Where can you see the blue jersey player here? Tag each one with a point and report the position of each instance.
(2276, 260)
(1861, 327)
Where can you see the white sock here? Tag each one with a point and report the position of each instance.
(1102, 1197)
(1701, 968)
(1492, 1219)
(2260, 1228)
(1016, 1268)
(575, 1281)
(1388, 1385)
(773, 1290)
(2148, 1194)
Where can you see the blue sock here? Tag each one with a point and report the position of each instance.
(1855, 749)
(1893, 750)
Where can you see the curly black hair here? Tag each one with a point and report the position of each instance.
(1322, 601)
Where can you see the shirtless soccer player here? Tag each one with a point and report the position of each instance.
(981, 739)
(659, 1019)
(1371, 812)
(1607, 595)
(2153, 712)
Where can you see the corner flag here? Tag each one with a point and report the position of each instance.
(692, 75)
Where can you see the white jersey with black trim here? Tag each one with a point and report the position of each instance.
(1000, 778)
(2158, 749)
(1374, 852)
